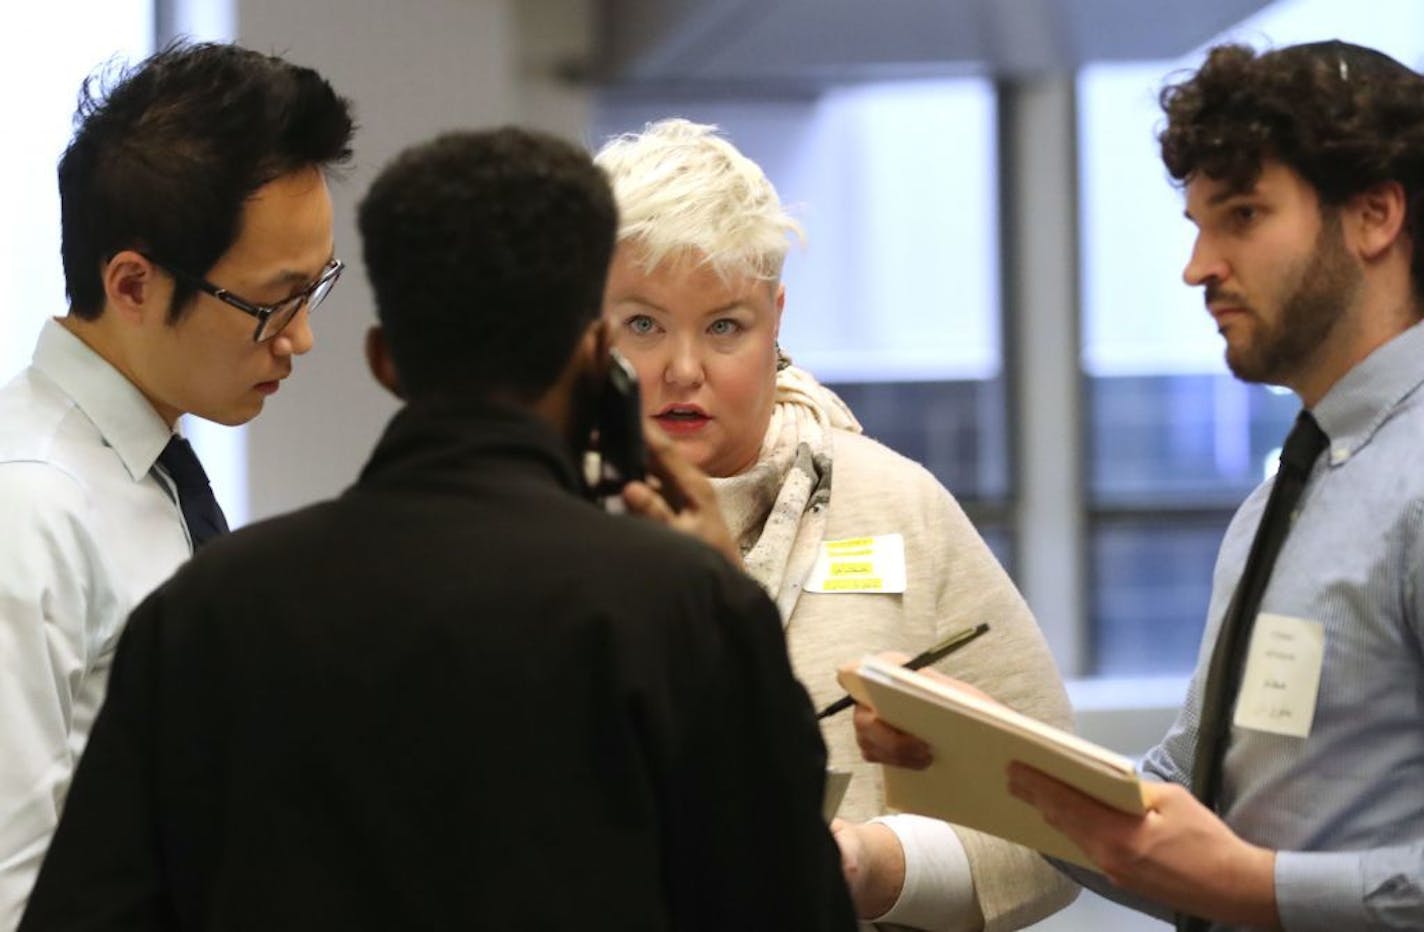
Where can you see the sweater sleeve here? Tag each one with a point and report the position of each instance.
(1014, 886)
(953, 581)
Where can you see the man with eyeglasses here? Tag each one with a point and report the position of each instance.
(197, 240)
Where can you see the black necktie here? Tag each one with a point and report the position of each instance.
(200, 509)
(1305, 443)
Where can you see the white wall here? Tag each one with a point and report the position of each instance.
(412, 70)
(37, 109)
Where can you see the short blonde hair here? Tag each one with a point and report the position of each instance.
(682, 188)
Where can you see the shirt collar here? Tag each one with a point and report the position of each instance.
(1357, 405)
(123, 416)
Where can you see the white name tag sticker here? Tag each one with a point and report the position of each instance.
(859, 564)
(1282, 676)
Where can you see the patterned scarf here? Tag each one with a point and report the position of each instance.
(777, 508)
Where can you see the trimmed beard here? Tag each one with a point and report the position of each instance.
(1326, 286)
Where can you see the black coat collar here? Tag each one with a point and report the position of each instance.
(470, 438)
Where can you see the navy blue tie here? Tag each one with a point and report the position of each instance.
(200, 509)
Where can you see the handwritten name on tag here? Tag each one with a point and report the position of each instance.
(1282, 676)
(860, 564)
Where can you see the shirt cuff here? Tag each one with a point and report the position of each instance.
(1320, 891)
(938, 894)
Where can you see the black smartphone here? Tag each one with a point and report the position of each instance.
(619, 442)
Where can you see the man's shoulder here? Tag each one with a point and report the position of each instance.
(288, 532)
(622, 560)
(1402, 429)
(52, 457)
(608, 566)
(561, 532)
(568, 524)
(40, 481)
(666, 584)
(34, 415)
(42, 504)
(624, 540)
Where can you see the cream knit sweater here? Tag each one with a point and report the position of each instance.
(953, 581)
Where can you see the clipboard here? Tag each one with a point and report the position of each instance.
(973, 741)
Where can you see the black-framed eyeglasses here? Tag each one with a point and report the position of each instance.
(272, 319)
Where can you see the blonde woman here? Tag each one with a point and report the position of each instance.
(695, 302)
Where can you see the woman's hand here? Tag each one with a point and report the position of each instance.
(883, 743)
(679, 496)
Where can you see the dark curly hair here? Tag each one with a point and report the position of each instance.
(164, 159)
(487, 252)
(1344, 117)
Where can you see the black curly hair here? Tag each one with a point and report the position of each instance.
(165, 158)
(1344, 117)
(487, 251)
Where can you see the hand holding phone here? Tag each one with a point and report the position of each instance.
(677, 494)
(647, 471)
(619, 430)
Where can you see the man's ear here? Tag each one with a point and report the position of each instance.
(134, 290)
(602, 335)
(1377, 216)
(590, 355)
(379, 361)
(567, 403)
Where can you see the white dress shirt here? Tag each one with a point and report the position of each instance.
(89, 529)
(938, 892)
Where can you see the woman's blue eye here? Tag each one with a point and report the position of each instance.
(640, 324)
(723, 327)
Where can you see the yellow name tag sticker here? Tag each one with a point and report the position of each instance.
(859, 564)
(867, 584)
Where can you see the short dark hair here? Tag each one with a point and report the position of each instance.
(1343, 116)
(487, 252)
(164, 160)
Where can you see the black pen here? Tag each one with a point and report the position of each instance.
(934, 655)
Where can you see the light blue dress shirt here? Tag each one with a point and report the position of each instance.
(1344, 807)
(89, 527)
